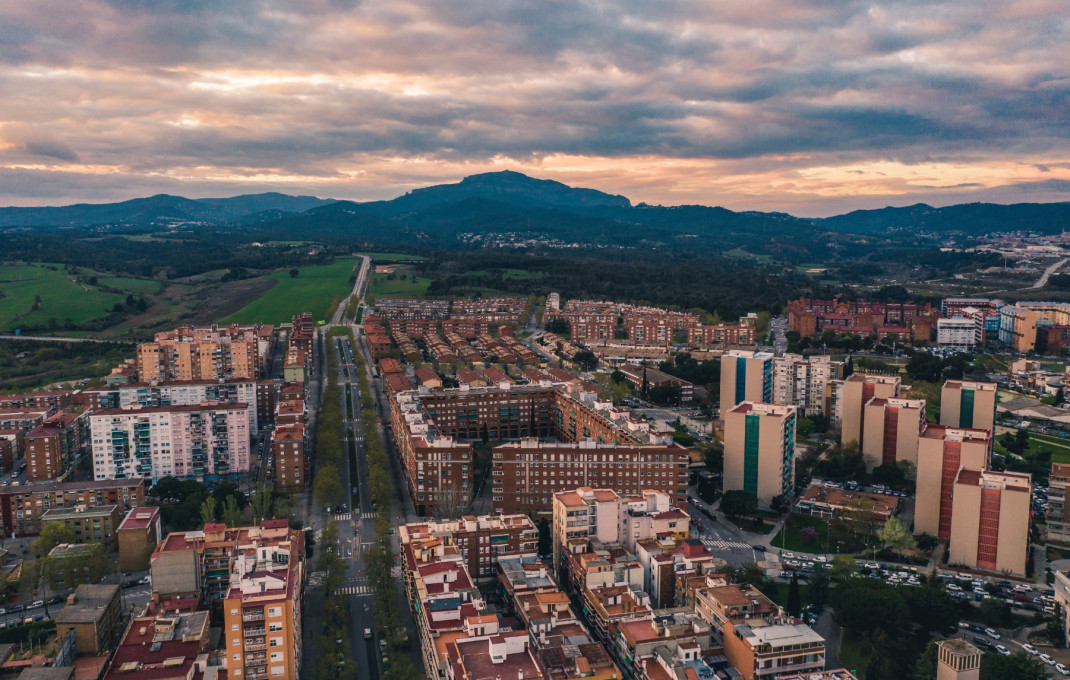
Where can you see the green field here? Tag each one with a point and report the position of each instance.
(384, 258)
(136, 286)
(313, 290)
(381, 286)
(519, 274)
(65, 298)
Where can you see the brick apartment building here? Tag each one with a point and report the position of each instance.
(21, 507)
(54, 446)
(890, 432)
(851, 398)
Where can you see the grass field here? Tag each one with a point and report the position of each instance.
(383, 258)
(380, 286)
(1059, 448)
(136, 286)
(518, 274)
(313, 290)
(62, 297)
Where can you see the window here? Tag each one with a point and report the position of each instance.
(274, 611)
(275, 642)
(278, 670)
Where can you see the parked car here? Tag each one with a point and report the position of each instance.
(991, 632)
(1063, 670)
(1047, 659)
(1030, 649)
(35, 604)
(1003, 650)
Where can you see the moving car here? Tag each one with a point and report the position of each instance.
(367, 633)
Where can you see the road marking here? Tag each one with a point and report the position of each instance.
(725, 545)
(343, 517)
(367, 515)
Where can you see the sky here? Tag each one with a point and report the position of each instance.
(813, 107)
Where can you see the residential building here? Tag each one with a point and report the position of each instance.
(664, 560)
(1058, 520)
(890, 432)
(200, 563)
(837, 674)
(138, 535)
(216, 352)
(1018, 328)
(963, 333)
(942, 452)
(21, 507)
(166, 647)
(669, 644)
(47, 673)
(259, 394)
(759, 450)
(262, 607)
(291, 462)
(89, 524)
(53, 446)
(93, 612)
(481, 540)
(957, 659)
(769, 651)
(829, 503)
(965, 403)
(200, 441)
(855, 393)
(745, 376)
(724, 605)
(650, 378)
(803, 382)
(990, 521)
(1062, 598)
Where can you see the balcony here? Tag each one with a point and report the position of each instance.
(253, 663)
(255, 647)
(253, 616)
(254, 632)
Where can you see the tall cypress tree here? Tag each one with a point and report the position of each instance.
(794, 605)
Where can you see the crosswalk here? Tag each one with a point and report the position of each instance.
(356, 590)
(346, 516)
(720, 544)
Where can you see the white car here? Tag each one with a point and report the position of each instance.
(1047, 659)
(1003, 650)
(1063, 670)
(954, 587)
(1030, 649)
(821, 558)
(991, 632)
(788, 555)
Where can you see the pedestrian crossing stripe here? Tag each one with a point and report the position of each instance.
(343, 517)
(725, 545)
(356, 590)
(368, 515)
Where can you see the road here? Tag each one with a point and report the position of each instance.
(1043, 280)
(57, 338)
(358, 290)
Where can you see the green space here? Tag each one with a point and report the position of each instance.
(789, 539)
(740, 254)
(383, 258)
(39, 295)
(519, 274)
(30, 364)
(410, 286)
(129, 285)
(315, 289)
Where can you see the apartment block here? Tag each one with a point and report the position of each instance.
(1058, 520)
(97, 524)
(166, 647)
(703, 336)
(1018, 328)
(759, 450)
(745, 376)
(673, 643)
(291, 462)
(40, 399)
(990, 521)
(21, 507)
(196, 353)
(259, 394)
(92, 611)
(481, 540)
(53, 446)
(890, 432)
(963, 333)
(262, 608)
(855, 393)
(966, 403)
(804, 382)
(725, 605)
(138, 534)
(201, 563)
(769, 651)
(942, 452)
(665, 560)
(200, 441)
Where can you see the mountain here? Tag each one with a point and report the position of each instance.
(158, 209)
(510, 202)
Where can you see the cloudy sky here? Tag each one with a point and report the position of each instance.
(814, 107)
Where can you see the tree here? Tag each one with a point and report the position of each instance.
(819, 586)
(736, 503)
(51, 535)
(856, 599)
(1054, 629)
(668, 395)
(585, 360)
(925, 668)
(262, 504)
(229, 489)
(1018, 666)
(804, 427)
(546, 543)
(794, 603)
(208, 510)
(294, 272)
(780, 503)
(995, 613)
(896, 536)
(713, 457)
(232, 516)
(891, 474)
(808, 534)
(618, 377)
(559, 325)
(844, 567)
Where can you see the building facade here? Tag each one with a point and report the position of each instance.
(990, 521)
(891, 431)
(854, 393)
(942, 452)
(968, 404)
(759, 450)
(803, 382)
(745, 376)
